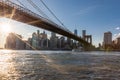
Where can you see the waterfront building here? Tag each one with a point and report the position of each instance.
(34, 40)
(14, 41)
(10, 41)
(29, 44)
(40, 40)
(43, 41)
(99, 45)
(83, 34)
(107, 41)
(59, 43)
(118, 41)
(116, 44)
(69, 43)
(53, 41)
(43, 35)
(20, 44)
(62, 42)
(75, 31)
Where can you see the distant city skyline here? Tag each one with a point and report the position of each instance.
(40, 41)
(95, 16)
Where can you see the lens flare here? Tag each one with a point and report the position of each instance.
(5, 28)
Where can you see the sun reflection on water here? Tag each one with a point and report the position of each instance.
(6, 64)
(6, 51)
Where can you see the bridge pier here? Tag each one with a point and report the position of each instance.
(89, 47)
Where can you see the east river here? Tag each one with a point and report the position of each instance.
(59, 65)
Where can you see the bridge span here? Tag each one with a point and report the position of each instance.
(16, 12)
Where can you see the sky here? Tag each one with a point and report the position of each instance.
(94, 16)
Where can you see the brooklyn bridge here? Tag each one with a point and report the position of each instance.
(19, 13)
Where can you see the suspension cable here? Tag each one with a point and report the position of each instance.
(37, 8)
(41, 12)
(53, 14)
(21, 4)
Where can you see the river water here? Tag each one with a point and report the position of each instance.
(59, 65)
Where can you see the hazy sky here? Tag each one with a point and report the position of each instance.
(95, 16)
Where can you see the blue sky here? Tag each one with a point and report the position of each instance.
(95, 16)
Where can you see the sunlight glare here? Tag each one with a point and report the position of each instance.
(5, 28)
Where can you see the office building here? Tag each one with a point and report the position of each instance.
(83, 34)
(75, 31)
(107, 41)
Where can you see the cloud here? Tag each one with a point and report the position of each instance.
(85, 10)
(116, 36)
(117, 28)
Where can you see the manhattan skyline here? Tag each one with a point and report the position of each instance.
(95, 16)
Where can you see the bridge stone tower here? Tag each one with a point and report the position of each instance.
(85, 37)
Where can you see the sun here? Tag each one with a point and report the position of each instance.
(5, 28)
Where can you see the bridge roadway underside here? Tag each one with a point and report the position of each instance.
(21, 16)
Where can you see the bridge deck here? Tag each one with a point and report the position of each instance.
(21, 14)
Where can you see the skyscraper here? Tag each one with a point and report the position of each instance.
(83, 34)
(107, 41)
(19, 42)
(34, 40)
(14, 41)
(53, 40)
(75, 31)
(11, 41)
